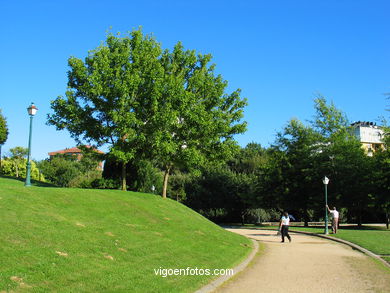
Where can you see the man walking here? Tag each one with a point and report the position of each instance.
(335, 218)
(283, 226)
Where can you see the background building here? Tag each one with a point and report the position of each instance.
(76, 152)
(370, 136)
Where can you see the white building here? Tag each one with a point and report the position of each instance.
(370, 135)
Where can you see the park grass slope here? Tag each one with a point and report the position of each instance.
(76, 240)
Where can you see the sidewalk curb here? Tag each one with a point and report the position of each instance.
(218, 282)
(353, 245)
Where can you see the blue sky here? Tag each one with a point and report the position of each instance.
(280, 53)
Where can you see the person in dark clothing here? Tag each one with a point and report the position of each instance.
(283, 226)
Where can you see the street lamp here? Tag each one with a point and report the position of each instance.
(326, 181)
(32, 110)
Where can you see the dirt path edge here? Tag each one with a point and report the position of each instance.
(219, 281)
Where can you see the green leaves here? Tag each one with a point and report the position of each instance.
(328, 119)
(3, 129)
(148, 103)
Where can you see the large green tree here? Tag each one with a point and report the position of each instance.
(3, 133)
(168, 107)
(106, 95)
(192, 119)
(343, 161)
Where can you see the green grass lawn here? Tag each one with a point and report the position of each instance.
(374, 239)
(76, 240)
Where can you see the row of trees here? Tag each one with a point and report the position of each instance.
(257, 183)
(288, 175)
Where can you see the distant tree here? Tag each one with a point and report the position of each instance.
(60, 170)
(351, 173)
(12, 167)
(382, 177)
(298, 167)
(328, 120)
(3, 133)
(15, 164)
(18, 154)
(343, 161)
(250, 159)
(68, 171)
(176, 189)
(141, 175)
(220, 194)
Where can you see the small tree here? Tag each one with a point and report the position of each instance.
(13, 168)
(18, 154)
(3, 133)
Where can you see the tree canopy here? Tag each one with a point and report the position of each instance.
(146, 103)
(3, 133)
(3, 129)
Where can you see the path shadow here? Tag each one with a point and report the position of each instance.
(259, 234)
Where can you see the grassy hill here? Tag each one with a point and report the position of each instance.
(76, 240)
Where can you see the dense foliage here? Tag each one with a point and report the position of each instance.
(68, 171)
(148, 104)
(288, 176)
(15, 165)
(3, 134)
(17, 168)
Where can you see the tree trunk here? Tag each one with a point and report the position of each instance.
(306, 218)
(359, 217)
(0, 160)
(166, 176)
(387, 219)
(124, 184)
(16, 169)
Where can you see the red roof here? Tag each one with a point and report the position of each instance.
(73, 150)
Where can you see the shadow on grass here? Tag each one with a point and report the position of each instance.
(349, 227)
(33, 182)
(364, 227)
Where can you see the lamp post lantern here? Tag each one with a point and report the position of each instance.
(32, 110)
(326, 181)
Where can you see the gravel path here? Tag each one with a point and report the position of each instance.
(307, 264)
